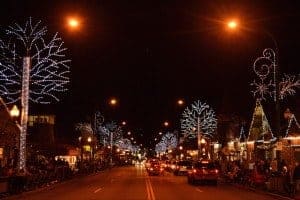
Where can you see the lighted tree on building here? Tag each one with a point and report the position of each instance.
(31, 70)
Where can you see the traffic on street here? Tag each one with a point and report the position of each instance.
(134, 183)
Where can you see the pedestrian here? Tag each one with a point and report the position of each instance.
(296, 177)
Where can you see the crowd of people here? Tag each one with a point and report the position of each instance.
(274, 175)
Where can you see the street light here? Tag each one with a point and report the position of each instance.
(232, 24)
(263, 67)
(166, 123)
(113, 101)
(180, 102)
(73, 23)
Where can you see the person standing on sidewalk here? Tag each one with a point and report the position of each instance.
(296, 178)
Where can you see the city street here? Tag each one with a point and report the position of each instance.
(133, 183)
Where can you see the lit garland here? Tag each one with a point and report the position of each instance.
(27, 60)
(292, 119)
(199, 115)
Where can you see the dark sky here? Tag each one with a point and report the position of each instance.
(149, 53)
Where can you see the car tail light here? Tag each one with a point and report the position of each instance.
(194, 171)
(161, 169)
(151, 169)
(216, 171)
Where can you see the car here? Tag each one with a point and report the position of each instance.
(155, 168)
(182, 167)
(203, 171)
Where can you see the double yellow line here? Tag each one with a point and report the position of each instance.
(150, 193)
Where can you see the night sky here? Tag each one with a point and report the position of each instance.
(150, 53)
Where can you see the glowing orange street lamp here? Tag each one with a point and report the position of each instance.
(166, 124)
(232, 24)
(180, 102)
(113, 101)
(73, 22)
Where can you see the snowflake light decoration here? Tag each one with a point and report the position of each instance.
(264, 86)
(201, 116)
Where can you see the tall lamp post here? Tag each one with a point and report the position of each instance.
(266, 66)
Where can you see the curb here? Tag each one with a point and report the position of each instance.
(277, 196)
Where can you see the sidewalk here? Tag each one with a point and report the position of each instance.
(273, 194)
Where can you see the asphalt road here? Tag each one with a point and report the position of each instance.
(133, 183)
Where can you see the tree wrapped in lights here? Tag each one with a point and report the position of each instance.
(169, 140)
(84, 128)
(103, 134)
(31, 69)
(199, 118)
(199, 122)
(160, 147)
(124, 144)
(265, 68)
(115, 132)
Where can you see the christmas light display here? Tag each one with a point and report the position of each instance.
(260, 129)
(160, 147)
(200, 118)
(265, 68)
(292, 120)
(84, 128)
(115, 132)
(124, 144)
(169, 140)
(31, 69)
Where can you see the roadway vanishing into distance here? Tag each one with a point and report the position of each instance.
(133, 183)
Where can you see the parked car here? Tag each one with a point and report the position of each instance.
(203, 171)
(182, 167)
(155, 168)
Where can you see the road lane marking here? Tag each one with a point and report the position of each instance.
(99, 189)
(148, 192)
(199, 190)
(149, 188)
